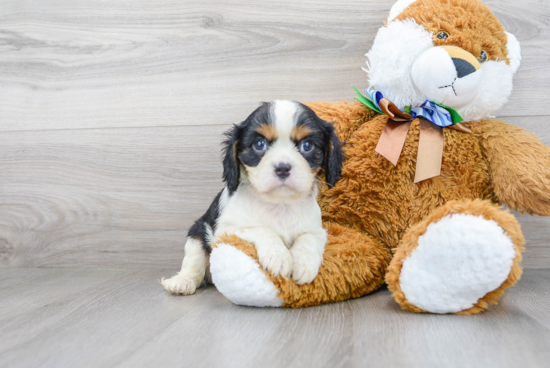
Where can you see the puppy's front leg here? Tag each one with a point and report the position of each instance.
(192, 271)
(307, 256)
(273, 255)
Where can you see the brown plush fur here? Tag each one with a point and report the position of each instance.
(519, 166)
(476, 208)
(383, 201)
(470, 24)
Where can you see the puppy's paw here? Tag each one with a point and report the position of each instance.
(305, 266)
(276, 260)
(180, 285)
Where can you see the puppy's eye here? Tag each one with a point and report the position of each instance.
(483, 57)
(306, 146)
(442, 35)
(260, 145)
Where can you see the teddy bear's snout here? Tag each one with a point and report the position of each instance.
(449, 75)
(463, 68)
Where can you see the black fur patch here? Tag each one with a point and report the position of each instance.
(327, 151)
(238, 145)
(199, 229)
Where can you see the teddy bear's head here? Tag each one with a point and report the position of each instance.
(454, 52)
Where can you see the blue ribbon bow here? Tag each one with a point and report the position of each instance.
(438, 114)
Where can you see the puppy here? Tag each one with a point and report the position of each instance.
(270, 167)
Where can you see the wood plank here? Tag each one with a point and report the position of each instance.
(92, 64)
(25, 290)
(531, 295)
(96, 326)
(104, 197)
(130, 321)
(126, 197)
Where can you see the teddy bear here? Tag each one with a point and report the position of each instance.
(418, 204)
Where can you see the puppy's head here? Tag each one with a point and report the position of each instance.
(280, 148)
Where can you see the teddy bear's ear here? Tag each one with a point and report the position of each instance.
(398, 8)
(514, 51)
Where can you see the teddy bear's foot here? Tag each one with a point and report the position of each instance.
(462, 257)
(240, 279)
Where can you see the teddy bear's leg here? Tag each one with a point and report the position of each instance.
(353, 265)
(458, 260)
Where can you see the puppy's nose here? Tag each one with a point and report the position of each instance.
(283, 170)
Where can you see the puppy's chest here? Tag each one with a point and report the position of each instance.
(288, 221)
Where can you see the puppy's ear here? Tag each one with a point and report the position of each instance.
(231, 170)
(334, 157)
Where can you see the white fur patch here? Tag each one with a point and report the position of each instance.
(398, 8)
(390, 60)
(240, 279)
(496, 88)
(284, 114)
(224, 198)
(514, 52)
(458, 260)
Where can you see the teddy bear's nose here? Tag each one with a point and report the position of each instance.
(465, 63)
(463, 68)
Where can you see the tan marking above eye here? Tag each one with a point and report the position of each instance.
(299, 133)
(268, 131)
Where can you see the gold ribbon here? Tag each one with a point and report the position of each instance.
(430, 141)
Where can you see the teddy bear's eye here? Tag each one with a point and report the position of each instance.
(483, 56)
(442, 35)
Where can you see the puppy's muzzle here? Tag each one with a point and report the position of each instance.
(283, 170)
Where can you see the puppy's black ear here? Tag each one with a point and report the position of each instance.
(334, 157)
(231, 170)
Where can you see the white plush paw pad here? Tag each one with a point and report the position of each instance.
(305, 266)
(180, 285)
(276, 260)
(458, 261)
(240, 279)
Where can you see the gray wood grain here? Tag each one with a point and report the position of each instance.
(126, 197)
(104, 196)
(124, 318)
(92, 63)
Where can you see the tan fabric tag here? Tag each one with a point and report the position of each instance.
(392, 111)
(392, 140)
(430, 151)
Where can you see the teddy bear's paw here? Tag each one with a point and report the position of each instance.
(180, 285)
(458, 260)
(305, 266)
(240, 279)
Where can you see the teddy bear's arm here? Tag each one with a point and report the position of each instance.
(519, 166)
(347, 117)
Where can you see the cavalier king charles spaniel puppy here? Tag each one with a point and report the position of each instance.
(271, 165)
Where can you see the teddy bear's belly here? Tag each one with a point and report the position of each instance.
(382, 200)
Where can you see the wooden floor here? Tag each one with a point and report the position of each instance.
(111, 116)
(123, 318)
